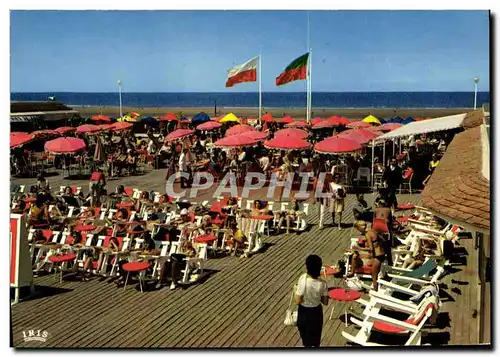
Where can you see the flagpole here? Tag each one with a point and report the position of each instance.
(309, 63)
(260, 88)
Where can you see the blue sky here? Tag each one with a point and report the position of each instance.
(191, 51)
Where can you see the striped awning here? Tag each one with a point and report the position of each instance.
(24, 118)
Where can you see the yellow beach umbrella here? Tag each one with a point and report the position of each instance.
(228, 118)
(371, 119)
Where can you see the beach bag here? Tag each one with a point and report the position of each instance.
(354, 283)
(290, 315)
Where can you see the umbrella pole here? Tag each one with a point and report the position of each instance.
(373, 165)
(383, 155)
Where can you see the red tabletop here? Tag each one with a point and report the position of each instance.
(132, 232)
(87, 228)
(136, 266)
(340, 294)
(124, 205)
(406, 206)
(402, 219)
(127, 222)
(365, 269)
(62, 258)
(329, 270)
(30, 199)
(218, 221)
(208, 238)
(264, 217)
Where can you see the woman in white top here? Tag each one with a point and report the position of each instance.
(310, 294)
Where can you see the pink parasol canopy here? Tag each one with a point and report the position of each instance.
(88, 128)
(65, 145)
(19, 139)
(267, 118)
(362, 136)
(123, 125)
(358, 124)
(100, 118)
(106, 126)
(239, 129)
(286, 120)
(209, 125)
(256, 135)
(287, 143)
(235, 141)
(316, 120)
(292, 133)
(168, 117)
(178, 134)
(338, 120)
(387, 127)
(324, 124)
(46, 132)
(65, 129)
(337, 145)
(298, 124)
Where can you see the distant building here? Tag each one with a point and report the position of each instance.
(27, 115)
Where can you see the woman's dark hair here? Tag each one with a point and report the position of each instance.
(314, 265)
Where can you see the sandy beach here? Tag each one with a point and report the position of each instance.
(356, 113)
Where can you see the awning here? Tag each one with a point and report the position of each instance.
(425, 126)
(25, 118)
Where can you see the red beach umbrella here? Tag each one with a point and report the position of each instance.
(292, 133)
(337, 145)
(65, 145)
(387, 127)
(123, 125)
(316, 120)
(343, 121)
(178, 134)
(286, 120)
(267, 118)
(287, 143)
(256, 135)
(362, 136)
(209, 125)
(46, 132)
(100, 118)
(239, 129)
(107, 126)
(88, 128)
(65, 130)
(325, 124)
(19, 139)
(168, 117)
(235, 141)
(336, 120)
(358, 124)
(298, 124)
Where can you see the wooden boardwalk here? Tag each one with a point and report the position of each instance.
(241, 304)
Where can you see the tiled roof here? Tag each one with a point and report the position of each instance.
(473, 119)
(457, 187)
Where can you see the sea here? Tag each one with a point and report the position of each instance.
(269, 99)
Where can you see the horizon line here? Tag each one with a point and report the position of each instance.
(400, 91)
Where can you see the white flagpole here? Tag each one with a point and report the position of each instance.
(309, 62)
(260, 88)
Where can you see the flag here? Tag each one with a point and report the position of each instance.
(295, 71)
(246, 72)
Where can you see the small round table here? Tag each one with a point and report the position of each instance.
(328, 270)
(345, 295)
(135, 267)
(208, 238)
(405, 206)
(124, 205)
(30, 199)
(61, 259)
(85, 228)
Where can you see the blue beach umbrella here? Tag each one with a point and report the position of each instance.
(200, 118)
(148, 121)
(408, 121)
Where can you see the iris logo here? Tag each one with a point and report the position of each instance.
(35, 335)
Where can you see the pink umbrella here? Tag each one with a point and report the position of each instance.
(287, 143)
(286, 120)
(358, 124)
(106, 126)
(387, 127)
(267, 118)
(46, 132)
(337, 145)
(178, 134)
(256, 135)
(209, 125)
(324, 124)
(168, 117)
(362, 136)
(292, 133)
(65, 129)
(19, 139)
(235, 141)
(239, 129)
(298, 124)
(122, 126)
(88, 128)
(338, 120)
(65, 145)
(316, 120)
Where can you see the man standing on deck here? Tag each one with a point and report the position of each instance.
(184, 166)
(392, 178)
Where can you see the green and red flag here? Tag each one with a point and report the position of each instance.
(295, 71)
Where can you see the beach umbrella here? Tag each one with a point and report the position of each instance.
(298, 124)
(362, 136)
(46, 132)
(287, 143)
(316, 120)
(358, 124)
(215, 119)
(133, 115)
(122, 126)
(337, 145)
(148, 121)
(168, 117)
(63, 130)
(286, 120)
(178, 134)
(210, 125)
(267, 118)
(19, 139)
(239, 129)
(106, 126)
(200, 118)
(127, 118)
(99, 153)
(371, 119)
(325, 124)
(65, 145)
(235, 141)
(398, 120)
(229, 118)
(87, 129)
(387, 127)
(256, 135)
(100, 117)
(292, 133)
(338, 120)
(408, 121)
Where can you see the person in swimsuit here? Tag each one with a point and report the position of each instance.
(375, 243)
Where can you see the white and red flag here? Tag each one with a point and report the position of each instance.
(246, 72)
